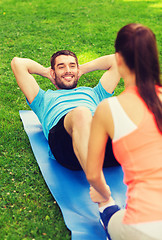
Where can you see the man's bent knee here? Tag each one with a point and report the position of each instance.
(79, 118)
(81, 115)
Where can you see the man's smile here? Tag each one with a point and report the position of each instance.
(68, 77)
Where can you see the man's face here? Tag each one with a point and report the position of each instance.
(65, 72)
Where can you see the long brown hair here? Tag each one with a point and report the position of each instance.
(137, 45)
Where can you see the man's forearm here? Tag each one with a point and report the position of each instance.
(28, 65)
(102, 63)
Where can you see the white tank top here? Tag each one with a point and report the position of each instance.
(123, 125)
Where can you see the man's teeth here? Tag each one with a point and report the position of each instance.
(68, 77)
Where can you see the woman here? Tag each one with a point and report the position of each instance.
(133, 121)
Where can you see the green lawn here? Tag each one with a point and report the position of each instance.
(35, 29)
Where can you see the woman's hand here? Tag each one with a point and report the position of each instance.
(97, 197)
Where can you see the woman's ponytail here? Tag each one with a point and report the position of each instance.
(137, 44)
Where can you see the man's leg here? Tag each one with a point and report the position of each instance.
(60, 143)
(77, 123)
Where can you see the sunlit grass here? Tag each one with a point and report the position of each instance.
(157, 6)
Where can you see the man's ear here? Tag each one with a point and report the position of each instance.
(52, 73)
(79, 72)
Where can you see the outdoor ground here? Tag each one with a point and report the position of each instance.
(36, 29)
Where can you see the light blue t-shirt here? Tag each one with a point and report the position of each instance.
(50, 106)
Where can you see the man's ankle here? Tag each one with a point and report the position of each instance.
(106, 204)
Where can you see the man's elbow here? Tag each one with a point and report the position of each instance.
(14, 62)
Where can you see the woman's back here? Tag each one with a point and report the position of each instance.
(139, 150)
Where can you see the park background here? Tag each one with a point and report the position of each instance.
(36, 29)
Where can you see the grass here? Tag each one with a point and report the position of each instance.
(35, 29)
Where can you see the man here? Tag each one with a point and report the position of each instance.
(66, 113)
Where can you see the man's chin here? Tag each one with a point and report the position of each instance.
(67, 85)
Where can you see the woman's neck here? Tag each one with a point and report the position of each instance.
(129, 79)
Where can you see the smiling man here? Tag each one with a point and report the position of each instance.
(66, 113)
(66, 70)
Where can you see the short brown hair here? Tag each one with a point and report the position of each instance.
(62, 52)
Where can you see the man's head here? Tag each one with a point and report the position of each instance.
(64, 69)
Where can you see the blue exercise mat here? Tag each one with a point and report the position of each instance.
(70, 188)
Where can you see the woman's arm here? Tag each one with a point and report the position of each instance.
(101, 129)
